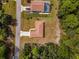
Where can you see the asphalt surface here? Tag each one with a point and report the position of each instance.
(17, 38)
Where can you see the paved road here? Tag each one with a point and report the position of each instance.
(18, 18)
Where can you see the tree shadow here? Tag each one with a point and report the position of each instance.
(9, 32)
(10, 20)
(0, 4)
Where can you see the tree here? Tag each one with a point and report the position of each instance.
(68, 7)
(5, 21)
(27, 51)
(2, 34)
(71, 21)
(4, 18)
(2, 51)
(35, 52)
(5, 32)
(77, 30)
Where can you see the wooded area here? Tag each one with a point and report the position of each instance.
(6, 34)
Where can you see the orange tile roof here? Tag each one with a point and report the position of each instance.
(39, 29)
(37, 6)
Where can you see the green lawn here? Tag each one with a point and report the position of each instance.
(10, 8)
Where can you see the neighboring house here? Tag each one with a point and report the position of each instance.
(39, 6)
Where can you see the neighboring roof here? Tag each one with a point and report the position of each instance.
(37, 6)
(39, 29)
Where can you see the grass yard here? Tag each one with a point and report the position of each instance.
(50, 25)
(10, 8)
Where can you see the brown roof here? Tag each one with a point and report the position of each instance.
(39, 27)
(37, 6)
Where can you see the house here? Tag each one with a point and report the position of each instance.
(38, 31)
(39, 7)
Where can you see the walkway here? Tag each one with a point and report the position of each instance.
(23, 33)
